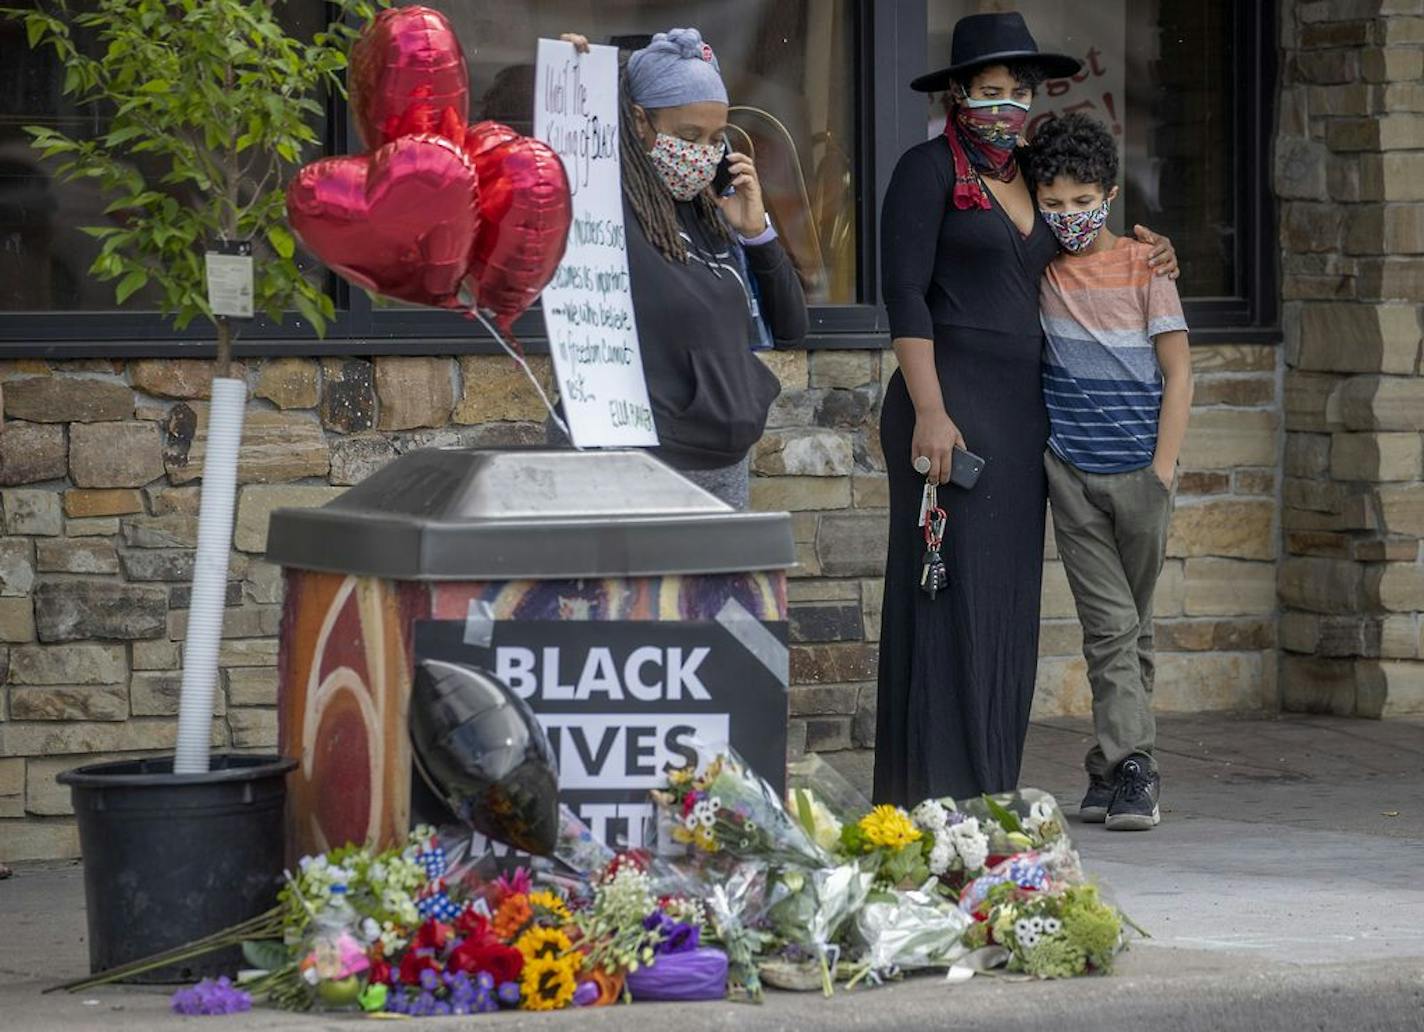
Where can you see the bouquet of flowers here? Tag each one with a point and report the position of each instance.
(727, 808)
(910, 929)
(1059, 934)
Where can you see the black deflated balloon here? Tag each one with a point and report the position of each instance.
(482, 751)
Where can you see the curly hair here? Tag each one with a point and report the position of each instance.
(1028, 74)
(1075, 146)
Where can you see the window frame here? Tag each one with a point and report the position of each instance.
(891, 42)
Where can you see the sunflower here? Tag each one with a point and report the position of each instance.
(549, 982)
(540, 943)
(513, 914)
(889, 826)
(551, 905)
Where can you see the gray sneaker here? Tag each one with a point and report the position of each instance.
(1094, 807)
(1134, 803)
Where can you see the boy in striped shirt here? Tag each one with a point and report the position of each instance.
(1117, 380)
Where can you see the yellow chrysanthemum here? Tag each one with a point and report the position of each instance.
(550, 904)
(538, 943)
(549, 982)
(889, 826)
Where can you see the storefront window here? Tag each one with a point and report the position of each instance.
(790, 72)
(1159, 74)
(44, 253)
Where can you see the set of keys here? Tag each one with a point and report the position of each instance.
(934, 577)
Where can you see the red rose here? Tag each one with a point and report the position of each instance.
(472, 926)
(432, 936)
(380, 973)
(504, 963)
(413, 963)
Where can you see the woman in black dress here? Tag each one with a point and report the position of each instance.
(964, 249)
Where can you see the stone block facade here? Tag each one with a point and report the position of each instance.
(100, 467)
(1350, 175)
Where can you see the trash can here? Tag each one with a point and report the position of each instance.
(631, 609)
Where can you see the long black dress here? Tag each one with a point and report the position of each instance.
(957, 672)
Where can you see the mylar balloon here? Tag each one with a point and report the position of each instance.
(408, 75)
(482, 751)
(525, 211)
(399, 222)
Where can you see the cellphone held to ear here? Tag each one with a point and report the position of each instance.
(722, 181)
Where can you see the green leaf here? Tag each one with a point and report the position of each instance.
(134, 281)
(282, 241)
(268, 955)
(34, 30)
(310, 313)
(1007, 818)
(155, 86)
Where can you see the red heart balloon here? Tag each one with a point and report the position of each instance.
(525, 211)
(408, 75)
(399, 222)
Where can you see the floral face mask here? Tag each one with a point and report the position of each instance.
(1076, 230)
(687, 167)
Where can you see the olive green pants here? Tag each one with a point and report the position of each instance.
(1111, 531)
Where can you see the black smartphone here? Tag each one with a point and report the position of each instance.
(722, 181)
(964, 469)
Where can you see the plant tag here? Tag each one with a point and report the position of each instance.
(229, 268)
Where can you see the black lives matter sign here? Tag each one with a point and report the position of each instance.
(621, 701)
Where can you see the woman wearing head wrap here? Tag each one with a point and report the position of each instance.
(692, 258)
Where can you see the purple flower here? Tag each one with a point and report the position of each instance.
(429, 980)
(212, 997)
(680, 938)
(585, 994)
(396, 1002)
(485, 981)
(442, 1008)
(509, 994)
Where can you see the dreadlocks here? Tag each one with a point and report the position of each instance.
(649, 196)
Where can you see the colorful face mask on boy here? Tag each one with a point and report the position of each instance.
(1076, 230)
(687, 168)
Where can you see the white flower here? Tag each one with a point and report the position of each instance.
(708, 819)
(1028, 940)
(370, 930)
(941, 856)
(930, 816)
(970, 843)
(1036, 922)
(690, 821)
(1052, 926)
(1023, 928)
(714, 804)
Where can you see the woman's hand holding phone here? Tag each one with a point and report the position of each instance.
(744, 207)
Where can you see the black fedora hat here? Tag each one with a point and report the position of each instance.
(987, 39)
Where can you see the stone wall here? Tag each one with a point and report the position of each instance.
(1350, 172)
(99, 467)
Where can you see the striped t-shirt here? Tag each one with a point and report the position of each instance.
(1101, 379)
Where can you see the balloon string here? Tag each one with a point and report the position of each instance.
(519, 359)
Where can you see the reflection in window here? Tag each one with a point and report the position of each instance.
(790, 72)
(1159, 74)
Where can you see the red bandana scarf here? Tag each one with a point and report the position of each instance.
(982, 142)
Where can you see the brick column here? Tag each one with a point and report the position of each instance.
(1350, 174)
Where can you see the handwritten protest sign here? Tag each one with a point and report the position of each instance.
(588, 307)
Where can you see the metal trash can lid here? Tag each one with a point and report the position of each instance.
(465, 514)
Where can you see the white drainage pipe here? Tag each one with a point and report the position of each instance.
(205, 613)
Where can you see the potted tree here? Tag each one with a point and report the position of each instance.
(207, 106)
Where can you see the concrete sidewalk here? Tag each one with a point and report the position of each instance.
(1282, 892)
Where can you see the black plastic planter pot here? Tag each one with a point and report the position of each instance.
(170, 858)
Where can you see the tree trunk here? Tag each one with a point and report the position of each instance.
(222, 364)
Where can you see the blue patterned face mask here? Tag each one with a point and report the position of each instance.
(1076, 230)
